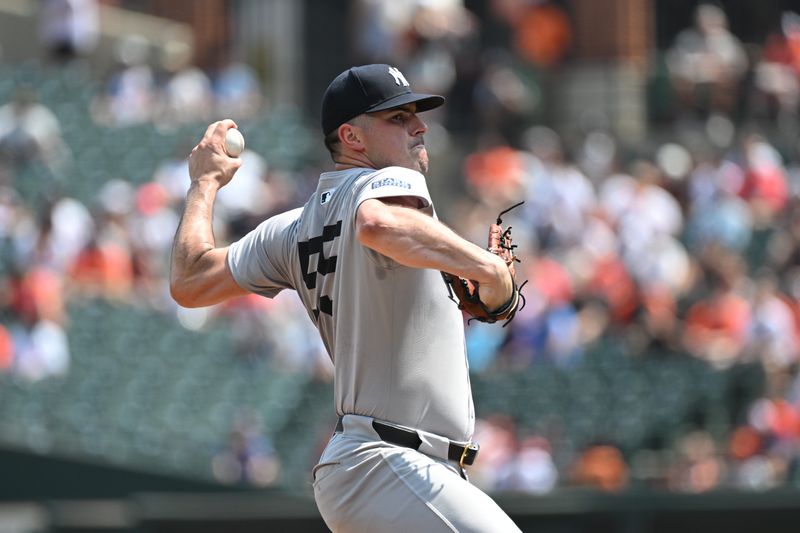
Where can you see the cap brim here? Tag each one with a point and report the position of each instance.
(425, 102)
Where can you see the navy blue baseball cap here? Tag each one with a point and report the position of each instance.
(367, 89)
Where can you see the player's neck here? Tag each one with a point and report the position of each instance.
(347, 161)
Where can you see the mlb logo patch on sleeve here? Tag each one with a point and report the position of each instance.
(325, 196)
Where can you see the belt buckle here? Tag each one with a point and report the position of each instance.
(469, 446)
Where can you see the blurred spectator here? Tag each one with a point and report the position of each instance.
(601, 466)
(102, 269)
(152, 219)
(442, 31)
(765, 186)
(783, 249)
(597, 154)
(129, 95)
(115, 205)
(248, 458)
(247, 200)
(717, 326)
(504, 98)
(172, 173)
(699, 467)
(648, 221)
(37, 294)
(237, 90)
(64, 228)
(727, 222)
(68, 28)
(752, 466)
(640, 209)
(612, 284)
(250, 318)
(382, 34)
(659, 319)
(495, 176)
(716, 214)
(775, 417)
(434, 42)
(542, 33)
(185, 90)
(497, 435)
(524, 44)
(532, 469)
(276, 330)
(713, 179)
(30, 131)
(773, 336)
(707, 64)
(550, 331)
(152, 224)
(483, 344)
(777, 72)
(41, 350)
(6, 350)
(17, 231)
(558, 195)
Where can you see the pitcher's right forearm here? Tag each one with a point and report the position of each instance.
(199, 274)
(195, 235)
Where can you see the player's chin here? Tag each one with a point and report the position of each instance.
(422, 160)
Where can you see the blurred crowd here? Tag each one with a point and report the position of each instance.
(166, 88)
(684, 247)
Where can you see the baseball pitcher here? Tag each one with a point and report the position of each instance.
(377, 273)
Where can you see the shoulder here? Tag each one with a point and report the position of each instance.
(397, 172)
(398, 178)
(276, 224)
(394, 182)
(287, 217)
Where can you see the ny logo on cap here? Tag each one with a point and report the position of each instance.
(399, 79)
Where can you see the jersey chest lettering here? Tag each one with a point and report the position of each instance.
(325, 265)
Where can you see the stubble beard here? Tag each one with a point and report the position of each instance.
(417, 160)
(422, 161)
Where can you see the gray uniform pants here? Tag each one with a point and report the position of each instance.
(364, 485)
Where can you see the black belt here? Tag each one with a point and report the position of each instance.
(462, 454)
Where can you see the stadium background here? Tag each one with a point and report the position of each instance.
(651, 384)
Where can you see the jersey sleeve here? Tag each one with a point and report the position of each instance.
(394, 181)
(259, 261)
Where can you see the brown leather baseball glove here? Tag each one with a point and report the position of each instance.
(466, 293)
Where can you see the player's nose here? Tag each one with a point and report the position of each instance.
(418, 127)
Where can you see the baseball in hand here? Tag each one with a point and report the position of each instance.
(234, 142)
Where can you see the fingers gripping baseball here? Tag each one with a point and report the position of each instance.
(209, 160)
(466, 293)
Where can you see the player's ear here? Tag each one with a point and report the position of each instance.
(352, 137)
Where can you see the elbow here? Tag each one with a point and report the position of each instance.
(372, 226)
(179, 296)
(182, 295)
(368, 234)
(376, 233)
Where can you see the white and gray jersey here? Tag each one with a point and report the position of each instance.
(395, 337)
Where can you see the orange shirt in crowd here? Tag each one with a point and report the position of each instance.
(105, 269)
(6, 349)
